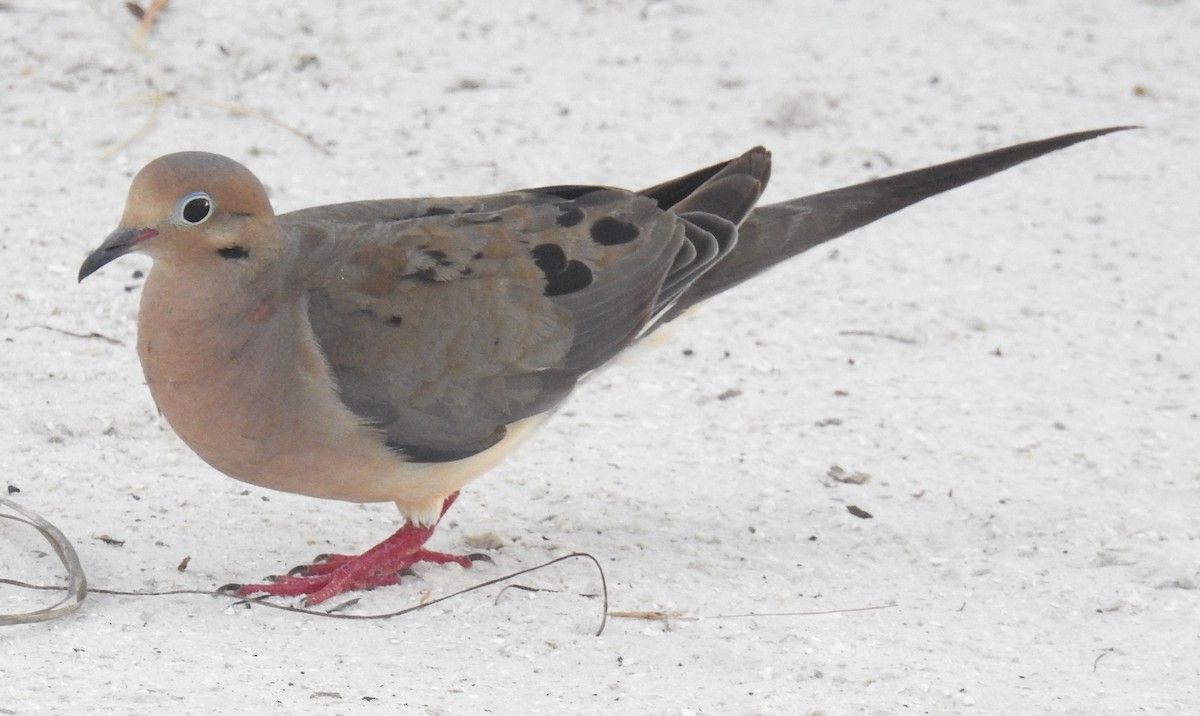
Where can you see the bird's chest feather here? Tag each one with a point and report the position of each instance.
(210, 375)
(223, 373)
(248, 389)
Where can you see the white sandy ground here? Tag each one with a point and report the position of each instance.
(1032, 442)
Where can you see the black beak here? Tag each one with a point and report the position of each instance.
(118, 243)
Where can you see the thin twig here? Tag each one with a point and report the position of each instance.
(652, 615)
(148, 19)
(158, 99)
(137, 134)
(331, 614)
(533, 590)
(873, 334)
(73, 334)
(662, 616)
(803, 614)
(426, 604)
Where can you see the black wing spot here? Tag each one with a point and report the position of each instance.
(233, 252)
(562, 276)
(549, 258)
(570, 193)
(394, 320)
(436, 211)
(576, 277)
(483, 218)
(613, 232)
(438, 256)
(569, 216)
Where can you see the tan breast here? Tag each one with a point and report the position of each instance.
(248, 389)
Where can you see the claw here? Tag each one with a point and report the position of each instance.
(382, 565)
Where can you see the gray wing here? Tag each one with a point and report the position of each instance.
(444, 321)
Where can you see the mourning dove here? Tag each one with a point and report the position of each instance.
(394, 350)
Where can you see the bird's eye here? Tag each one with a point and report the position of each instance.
(195, 208)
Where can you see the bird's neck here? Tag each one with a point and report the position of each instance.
(215, 360)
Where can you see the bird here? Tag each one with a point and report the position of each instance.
(394, 350)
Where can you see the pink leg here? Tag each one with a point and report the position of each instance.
(377, 567)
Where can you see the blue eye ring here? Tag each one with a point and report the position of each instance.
(195, 209)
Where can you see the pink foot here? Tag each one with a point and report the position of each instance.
(379, 566)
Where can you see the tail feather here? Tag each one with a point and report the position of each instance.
(710, 204)
(776, 232)
(729, 189)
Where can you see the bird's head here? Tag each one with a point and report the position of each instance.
(193, 209)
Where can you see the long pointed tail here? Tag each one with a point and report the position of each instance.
(776, 232)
